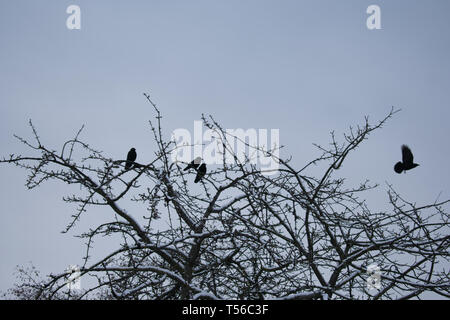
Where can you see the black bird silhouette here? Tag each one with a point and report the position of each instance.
(194, 164)
(131, 157)
(200, 173)
(408, 160)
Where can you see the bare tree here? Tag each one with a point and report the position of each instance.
(245, 234)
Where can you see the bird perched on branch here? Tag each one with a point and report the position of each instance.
(407, 162)
(201, 171)
(131, 157)
(194, 164)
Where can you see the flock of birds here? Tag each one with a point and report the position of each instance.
(199, 167)
(195, 164)
(406, 164)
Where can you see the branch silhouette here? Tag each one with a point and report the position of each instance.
(239, 234)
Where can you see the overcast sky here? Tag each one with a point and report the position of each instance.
(303, 67)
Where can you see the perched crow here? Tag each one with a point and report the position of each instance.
(131, 157)
(408, 161)
(194, 164)
(200, 173)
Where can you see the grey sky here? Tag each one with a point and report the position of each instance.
(304, 67)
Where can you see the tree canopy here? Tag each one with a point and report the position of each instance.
(240, 234)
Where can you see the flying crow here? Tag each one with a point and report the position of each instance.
(407, 161)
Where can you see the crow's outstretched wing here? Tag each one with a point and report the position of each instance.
(407, 155)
